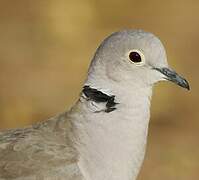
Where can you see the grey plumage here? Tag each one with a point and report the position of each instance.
(103, 137)
(42, 151)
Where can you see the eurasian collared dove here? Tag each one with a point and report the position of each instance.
(103, 136)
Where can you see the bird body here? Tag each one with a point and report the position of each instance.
(42, 151)
(104, 135)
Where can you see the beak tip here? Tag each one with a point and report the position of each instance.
(186, 85)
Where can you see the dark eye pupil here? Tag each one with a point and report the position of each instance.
(135, 57)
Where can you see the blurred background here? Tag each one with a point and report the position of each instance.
(45, 50)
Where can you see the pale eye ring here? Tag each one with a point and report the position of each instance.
(136, 57)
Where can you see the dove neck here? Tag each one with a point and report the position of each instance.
(111, 146)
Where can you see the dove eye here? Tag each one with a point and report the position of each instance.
(136, 57)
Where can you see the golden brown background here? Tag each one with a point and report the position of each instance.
(45, 50)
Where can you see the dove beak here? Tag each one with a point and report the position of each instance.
(174, 77)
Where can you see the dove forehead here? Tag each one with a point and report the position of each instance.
(133, 37)
(124, 41)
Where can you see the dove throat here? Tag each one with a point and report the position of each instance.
(111, 143)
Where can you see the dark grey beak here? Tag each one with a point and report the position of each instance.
(174, 77)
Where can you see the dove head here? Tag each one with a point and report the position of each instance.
(132, 56)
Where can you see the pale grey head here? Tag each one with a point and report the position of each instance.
(133, 55)
(116, 103)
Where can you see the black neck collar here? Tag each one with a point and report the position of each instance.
(98, 96)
